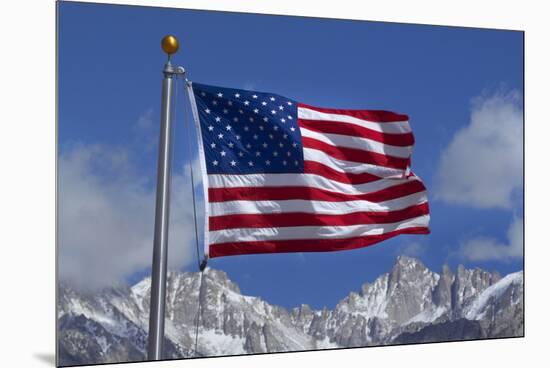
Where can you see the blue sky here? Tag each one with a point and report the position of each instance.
(454, 83)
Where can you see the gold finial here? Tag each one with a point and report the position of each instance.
(170, 44)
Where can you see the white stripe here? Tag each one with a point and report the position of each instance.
(300, 180)
(311, 154)
(202, 161)
(392, 127)
(317, 207)
(338, 140)
(312, 232)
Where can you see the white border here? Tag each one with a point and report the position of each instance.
(202, 160)
(27, 154)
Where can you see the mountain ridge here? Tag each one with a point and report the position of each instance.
(408, 304)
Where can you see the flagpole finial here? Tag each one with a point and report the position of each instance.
(170, 44)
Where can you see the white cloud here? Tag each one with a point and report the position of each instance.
(489, 249)
(106, 217)
(145, 132)
(483, 165)
(412, 249)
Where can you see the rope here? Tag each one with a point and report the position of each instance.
(198, 315)
(190, 165)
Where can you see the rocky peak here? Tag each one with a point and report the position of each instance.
(220, 279)
(441, 295)
(468, 284)
(405, 300)
(406, 269)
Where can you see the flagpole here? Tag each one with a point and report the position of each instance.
(162, 209)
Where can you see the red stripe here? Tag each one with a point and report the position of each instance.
(309, 193)
(352, 130)
(238, 221)
(317, 168)
(305, 245)
(356, 155)
(379, 116)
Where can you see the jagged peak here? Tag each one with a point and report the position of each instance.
(173, 276)
(407, 263)
(407, 260)
(462, 272)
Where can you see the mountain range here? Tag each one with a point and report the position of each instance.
(408, 304)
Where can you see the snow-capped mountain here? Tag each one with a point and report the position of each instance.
(406, 305)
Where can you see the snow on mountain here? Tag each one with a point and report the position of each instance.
(481, 305)
(410, 303)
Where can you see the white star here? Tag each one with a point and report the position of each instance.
(246, 103)
(214, 102)
(213, 145)
(207, 111)
(284, 162)
(215, 162)
(250, 163)
(271, 136)
(241, 111)
(289, 103)
(230, 103)
(203, 94)
(233, 163)
(210, 128)
(275, 128)
(255, 136)
(267, 162)
(281, 145)
(241, 154)
(273, 112)
(275, 153)
(237, 95)
(238, 137)
(218, 119)
(281, 107)
(256, 111)
(228, 127)
(225, 111)
(264, 103)
(248, 146)
(294, 144)
(220, 136)
(292, 128)
(296, 162)
(265, 145)
(246, 128)
(288, 153)
(289, 117)
(266, 119)
(220, 94)
(272, 98)
(283, 120)
(223, 153)
(261, 127)
(258, 153)
(235, 119)
(254, 96)
(285, 136)
(231, 144)
(251, 119)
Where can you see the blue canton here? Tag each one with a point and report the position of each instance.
(248, 132)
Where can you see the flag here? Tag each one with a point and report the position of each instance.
(282, 176)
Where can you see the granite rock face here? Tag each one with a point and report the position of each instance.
(409, 304)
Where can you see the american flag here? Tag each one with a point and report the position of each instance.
(282, 176)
